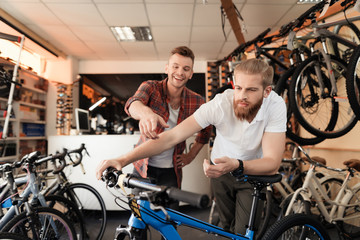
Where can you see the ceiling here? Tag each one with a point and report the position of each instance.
(81, 27)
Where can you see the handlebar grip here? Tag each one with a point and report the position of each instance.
(79, 159)
(305, 15)
(79, 152)
(60, 167)
(194, 199)
(61, 158)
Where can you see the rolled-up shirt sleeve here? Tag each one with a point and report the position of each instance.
(141, 94)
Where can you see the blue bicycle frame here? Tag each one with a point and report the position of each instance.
(164, 223)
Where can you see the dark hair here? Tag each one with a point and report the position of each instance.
(183, 51)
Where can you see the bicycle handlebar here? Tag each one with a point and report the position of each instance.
(311, 161)
(112, 178)
(298, 22)
(79, 154)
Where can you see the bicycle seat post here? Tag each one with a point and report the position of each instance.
(255, 202)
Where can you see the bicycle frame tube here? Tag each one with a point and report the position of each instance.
(302, 190)
(32, 187)
(321, 31)
(343, 21)
(157, 219)
(262, 51)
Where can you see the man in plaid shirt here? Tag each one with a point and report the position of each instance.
(161, 105)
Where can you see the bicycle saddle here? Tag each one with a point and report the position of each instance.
(354, 163)
(262, 179)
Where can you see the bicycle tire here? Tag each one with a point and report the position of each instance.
(295, 225)
(12, 236)
(320, 113)
(20, 224)
(350, 32)
(70, 210)
(92, 206)
(352, 227)
(353, 82)
(282, 89)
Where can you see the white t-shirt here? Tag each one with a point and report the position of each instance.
(241, 139)
(165, 159)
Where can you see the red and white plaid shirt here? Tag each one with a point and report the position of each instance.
(153, 94)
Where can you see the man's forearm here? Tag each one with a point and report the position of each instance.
(262, 166)
(195, 149)
(137, 110)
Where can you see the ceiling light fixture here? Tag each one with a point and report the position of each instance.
(132, 34)
(97, 104)
(308, 1)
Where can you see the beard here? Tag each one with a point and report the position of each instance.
(246, 113)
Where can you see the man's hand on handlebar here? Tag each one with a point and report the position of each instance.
(104, 164)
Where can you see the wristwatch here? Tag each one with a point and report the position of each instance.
(239, 171)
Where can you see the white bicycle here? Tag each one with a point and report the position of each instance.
(337, 202)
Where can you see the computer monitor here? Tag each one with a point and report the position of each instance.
(82, 120)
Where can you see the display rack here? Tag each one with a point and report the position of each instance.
(26, 122)
(217, 77)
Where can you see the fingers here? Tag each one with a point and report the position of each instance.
(206, 165)
(163, 123)
(181, 161)
(101, 168)
(104, 164)
(148, 128)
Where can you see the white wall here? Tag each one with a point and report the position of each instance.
(57, 71)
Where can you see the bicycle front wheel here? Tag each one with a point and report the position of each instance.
(43, 223)
(92, 207)
(296, 226)
(70, 210)
(353, 82)
(294, 131)
(320, 110)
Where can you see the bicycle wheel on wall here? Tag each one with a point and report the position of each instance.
(353, 82)
(293, 131)
(350, 32)
(91, 205)
(319, 112)
(43, 223)
(296, 226)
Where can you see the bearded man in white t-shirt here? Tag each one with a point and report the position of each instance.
(250, 123)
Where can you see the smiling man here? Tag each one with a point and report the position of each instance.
(251, 124)
(161, 105)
